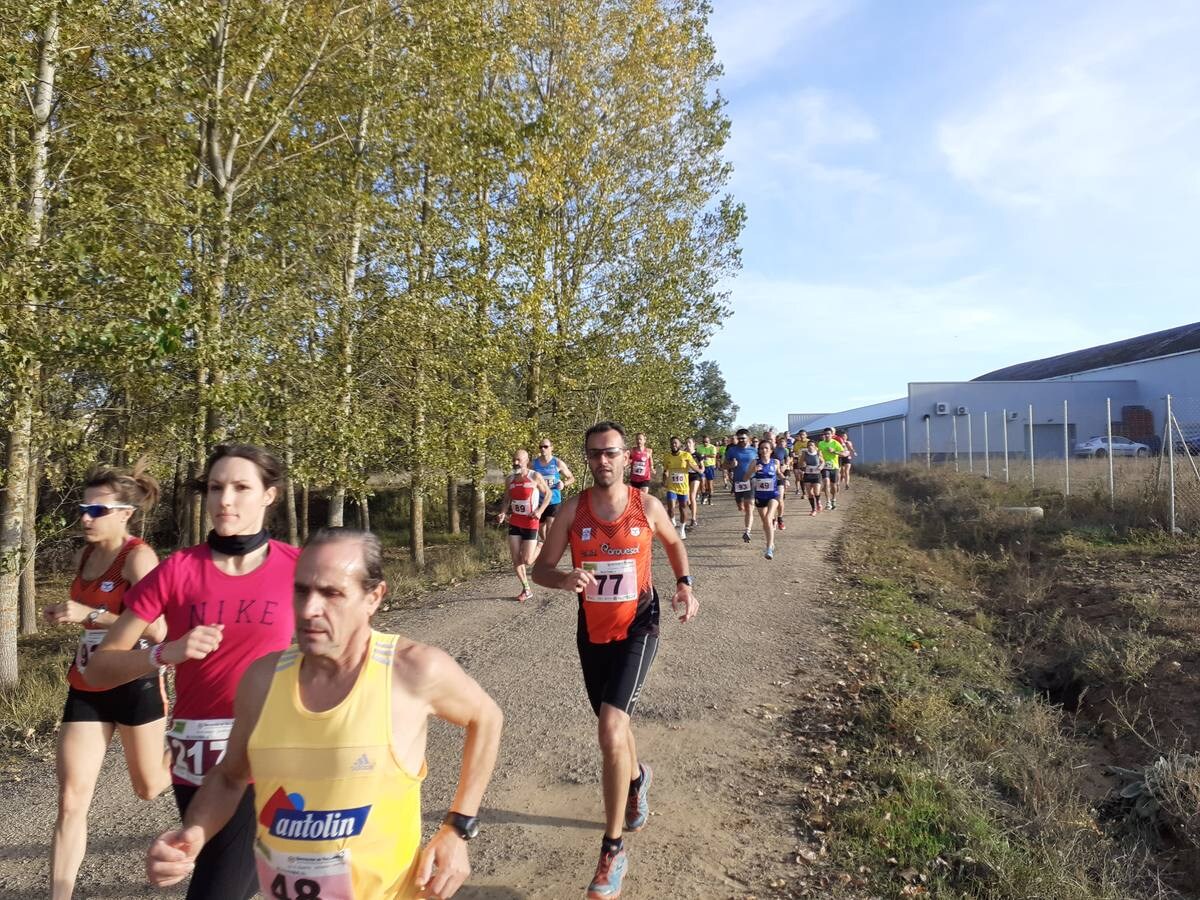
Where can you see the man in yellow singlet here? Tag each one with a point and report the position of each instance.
(337, 781)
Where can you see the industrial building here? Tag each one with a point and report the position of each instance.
(1125, 383)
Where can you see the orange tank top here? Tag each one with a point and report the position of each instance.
(107, 591)
(622, 602)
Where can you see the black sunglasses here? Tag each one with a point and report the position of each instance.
(97, 510)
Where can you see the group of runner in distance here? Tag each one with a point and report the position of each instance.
(296, 743)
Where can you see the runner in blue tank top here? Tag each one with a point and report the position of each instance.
(557, 475)
(738, 460)
(764, 476)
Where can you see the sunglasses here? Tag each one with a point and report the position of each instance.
(606, 452)
(96, 510)
(545, 447)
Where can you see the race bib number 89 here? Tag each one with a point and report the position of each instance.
(197, 745)
(616, 581)
(521, 507)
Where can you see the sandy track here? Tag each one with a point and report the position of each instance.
(712, 722)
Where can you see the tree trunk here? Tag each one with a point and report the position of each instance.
(289, 496)
(337, 507)
(29, 552)
(478, 502)
(364, 513)
(16, 476)
(452, 520)
(179, 500)
(416, 532)
(303, 513)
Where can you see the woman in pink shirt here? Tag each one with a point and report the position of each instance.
(226, 603)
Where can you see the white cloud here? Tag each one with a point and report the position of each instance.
(1104, 111)
(751, 35)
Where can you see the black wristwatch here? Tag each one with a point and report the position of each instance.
(466, 826)
(684, 580)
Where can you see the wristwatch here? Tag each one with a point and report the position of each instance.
(466, 826)
(684, 580)
(94, 615)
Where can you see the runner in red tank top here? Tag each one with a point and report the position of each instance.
(110, 563)
(526, 496)
(610, 528)
(641, 464)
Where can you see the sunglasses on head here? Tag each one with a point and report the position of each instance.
(96, 510)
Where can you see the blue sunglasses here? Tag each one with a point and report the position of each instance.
(96, 510)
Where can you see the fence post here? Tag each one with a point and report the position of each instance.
(1171, 462)
(1004, 413)
(928, 446)
(1032, 472)
(1067, 450)
(954, 426)
(883, 438)
(1112, 487)
(970, 445)
(987, 456)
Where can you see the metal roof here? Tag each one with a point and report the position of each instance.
(1148, 346)
(889, 409)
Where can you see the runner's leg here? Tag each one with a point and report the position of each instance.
(81, 749)
(617, 748)
(225, 868)
(516, 553)
(148, 763)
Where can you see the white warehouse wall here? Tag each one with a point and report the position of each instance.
(1086, 412)
(1177, 375)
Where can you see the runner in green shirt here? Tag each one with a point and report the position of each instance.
(708, 462)
(831, 450)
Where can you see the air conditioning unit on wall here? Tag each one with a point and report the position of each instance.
(941, 408)
(1012, 415)
(960, 411)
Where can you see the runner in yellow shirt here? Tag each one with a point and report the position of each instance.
(831, 450)
(332, 734)
(676, 466)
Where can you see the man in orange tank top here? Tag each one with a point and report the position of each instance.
(610, 529)
(338, 586)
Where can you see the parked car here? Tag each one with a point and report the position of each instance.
(1121, 446)
(1189, 440)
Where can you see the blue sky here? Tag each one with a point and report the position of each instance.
(938, 189)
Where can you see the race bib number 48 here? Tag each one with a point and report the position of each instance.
(197, 745)
(304, 876)
(616, 581)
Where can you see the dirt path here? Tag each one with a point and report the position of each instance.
(712, 721)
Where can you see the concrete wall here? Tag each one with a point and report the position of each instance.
(1086, 414)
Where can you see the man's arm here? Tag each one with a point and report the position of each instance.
(504, 502)
(684, 602)
(565, 475)
(456, 697)
(172, 856)
(545, 568)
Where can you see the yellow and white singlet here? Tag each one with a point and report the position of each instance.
(338, 817)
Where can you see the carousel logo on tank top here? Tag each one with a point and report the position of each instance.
(284, 816)
(107, 586)
(585, 534)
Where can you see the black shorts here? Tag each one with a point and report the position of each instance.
(845, 461)
(831, 474)
(763, 504)
(694, 477)
(812, 479)
(225, 868)
(613, 673)
(525, 534)
(135, 703)
(743, 496)
(639, 484)
(550, 512)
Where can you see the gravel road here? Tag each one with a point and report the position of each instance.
(712, 721)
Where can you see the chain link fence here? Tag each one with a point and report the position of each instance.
(1146, 457)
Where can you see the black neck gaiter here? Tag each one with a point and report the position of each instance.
(237, 544)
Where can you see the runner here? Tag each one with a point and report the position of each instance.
(846, 460)
(738, 460)
(641, 464)
(526, 497)
(110, 562)
(676, 466)
(226, 603)
(831, 451)
(332, 734)
(708, 461)
(730, 443)
(610, 529)
(809, 465)
(782, 455)
(695, 481)
(765, 477)
(557, 475)
(798, 446)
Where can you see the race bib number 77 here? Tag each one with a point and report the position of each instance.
(616, 581)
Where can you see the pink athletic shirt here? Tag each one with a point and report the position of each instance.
(256, 610)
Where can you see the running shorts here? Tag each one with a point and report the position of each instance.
(710, 473)
(225, 868)
(831, 474)
(812, 479)
(764, 503)
(613, 673)
(551, 511)
(681, 498)
(525, 534)
(693, 477)
(132, 704)
(639, 484)
(743, 496)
